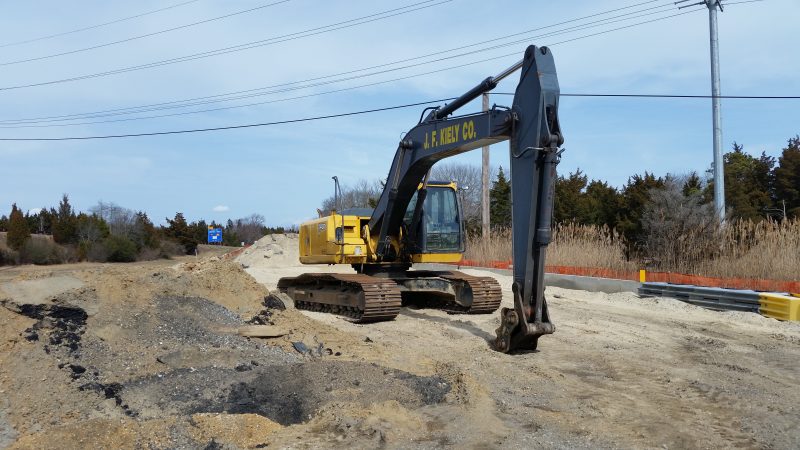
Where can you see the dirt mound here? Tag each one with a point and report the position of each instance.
(133, 356)
(273, 250)
(220, 281)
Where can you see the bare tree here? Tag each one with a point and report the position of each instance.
(680, 230)
(251, 228)
(468, 180)
(364, 194)
(121, 221)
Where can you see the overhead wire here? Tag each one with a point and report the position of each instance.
(274, 40)
(250, 93)
(92, 27)
(744, 97)
(316, 94)
(329, 82)
(233, 127)
(412, 104)
(83, 115)
(353, 113)
(142, 36)
(741, 2)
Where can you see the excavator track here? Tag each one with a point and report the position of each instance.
(359, 297)
(486, 293)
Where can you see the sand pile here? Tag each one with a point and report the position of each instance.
(273, 250)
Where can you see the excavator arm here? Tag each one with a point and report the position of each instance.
(531, 126)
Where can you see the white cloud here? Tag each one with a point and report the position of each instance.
(221, 208)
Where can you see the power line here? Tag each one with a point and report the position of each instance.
(274, 40)
(318, 84)
(257, 92)
(142, 36)
(92, 27)
(317, 94)
(94, 114)
(739, 3)
(366, 111)
(233, 127)
(745, 97)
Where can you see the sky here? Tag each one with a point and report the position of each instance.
(284, 171)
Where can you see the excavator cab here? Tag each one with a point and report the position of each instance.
(440, 228)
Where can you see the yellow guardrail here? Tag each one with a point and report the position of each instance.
(782, 307)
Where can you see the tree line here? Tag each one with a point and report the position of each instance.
(756, 188)
(111, 233)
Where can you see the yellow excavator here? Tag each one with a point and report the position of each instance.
(418, 220)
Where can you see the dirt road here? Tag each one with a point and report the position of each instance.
(148, 355)
(619, 372)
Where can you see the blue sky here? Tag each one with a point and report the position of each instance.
(283, 172)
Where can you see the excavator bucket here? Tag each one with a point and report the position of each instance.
(516, 333)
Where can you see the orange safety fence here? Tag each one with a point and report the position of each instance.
(666, 277)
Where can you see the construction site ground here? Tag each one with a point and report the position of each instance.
(149, 355)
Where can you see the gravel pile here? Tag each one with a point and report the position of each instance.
(273, 250)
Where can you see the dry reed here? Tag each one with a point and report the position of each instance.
(741, 249)
(572, 245)
(762, 250)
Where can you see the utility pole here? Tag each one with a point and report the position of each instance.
(716, 104)
(485, 181)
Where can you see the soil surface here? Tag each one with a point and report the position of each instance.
(148, 355)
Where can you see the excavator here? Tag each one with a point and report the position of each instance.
(418, 220)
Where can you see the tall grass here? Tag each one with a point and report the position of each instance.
(740, 249)
(765, 249)
(572, 245)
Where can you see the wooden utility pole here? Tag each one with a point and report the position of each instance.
(485, 181)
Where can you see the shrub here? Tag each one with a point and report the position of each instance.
(120, 249)
(96, 252)
(42, 252)
(167, 249)
(8, 257)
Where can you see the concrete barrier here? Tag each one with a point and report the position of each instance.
(591, 284)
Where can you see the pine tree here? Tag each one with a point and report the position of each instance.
(693, 185)
(18, 231)
(146, 233)
(569, 204)
(635, 196)
(602, 202)
(748, 183)
(65, 226)
(787, 177)
(500, 201)
(179, 230)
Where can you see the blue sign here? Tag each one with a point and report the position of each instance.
(214, 235)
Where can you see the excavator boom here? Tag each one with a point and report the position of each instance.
(392, 235)
(531, 125)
